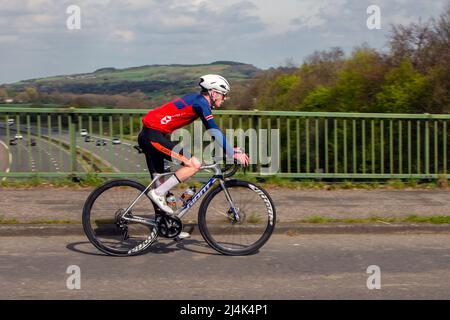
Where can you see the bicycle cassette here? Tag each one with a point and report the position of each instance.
(169, 226)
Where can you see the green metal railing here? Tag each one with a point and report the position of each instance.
(311, 145)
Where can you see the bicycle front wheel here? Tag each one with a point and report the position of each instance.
(229, 236)
(102, 221)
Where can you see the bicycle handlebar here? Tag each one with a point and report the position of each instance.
(234, 168)
(228, 170)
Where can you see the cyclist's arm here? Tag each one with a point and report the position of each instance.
(208, 120)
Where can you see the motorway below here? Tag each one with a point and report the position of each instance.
(120, 158)
(45, 156)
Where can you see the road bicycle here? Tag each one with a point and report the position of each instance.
(235, 217)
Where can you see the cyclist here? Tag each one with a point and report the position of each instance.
(160, 122)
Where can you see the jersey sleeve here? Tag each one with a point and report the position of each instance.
(204, 112)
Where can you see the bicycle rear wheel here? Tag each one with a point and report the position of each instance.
(256, 218)
(102, 223)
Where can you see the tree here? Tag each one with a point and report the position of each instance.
(426, 45)
(439, 89)
(3, 94)
(411, 43)
(359, 81)
(318, 100)
(404, 90)
(22, 97)
(33, 94)
(80, 102)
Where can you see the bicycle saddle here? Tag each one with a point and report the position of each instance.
(139, 149)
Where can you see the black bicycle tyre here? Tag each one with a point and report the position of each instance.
(251, 248)
(87, 221)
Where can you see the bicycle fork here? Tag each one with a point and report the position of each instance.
(230, 201)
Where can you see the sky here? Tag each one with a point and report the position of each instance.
(36, 41)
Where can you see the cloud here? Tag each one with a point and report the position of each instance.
(8, 38)
(122, 33)
(344, 23)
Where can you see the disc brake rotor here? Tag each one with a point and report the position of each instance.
(241, 214)
(122, 224)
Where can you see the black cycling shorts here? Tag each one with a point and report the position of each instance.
(157, 147)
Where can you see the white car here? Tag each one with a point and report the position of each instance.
(18, 136)
(10, 122)
(116, 141)
(83, 132)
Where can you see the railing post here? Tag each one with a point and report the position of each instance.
(297, 135)
(427, 147)
(288, 143)
(307, 145)
(326, 145)
(73, 146)
(444, 147)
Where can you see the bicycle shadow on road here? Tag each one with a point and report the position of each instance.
(186, 245)
(158, 247)
(73, 247)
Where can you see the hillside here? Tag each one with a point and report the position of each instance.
(155, 81)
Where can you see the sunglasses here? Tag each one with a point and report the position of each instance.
(224, 95)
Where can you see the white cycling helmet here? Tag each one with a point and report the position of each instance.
(214, 82)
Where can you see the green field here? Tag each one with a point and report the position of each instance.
(30, 105)
(158, 77)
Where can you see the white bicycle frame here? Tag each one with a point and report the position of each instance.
(218, 175)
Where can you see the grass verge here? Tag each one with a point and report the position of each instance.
(93, 180)
(410, 218)
(312, 219)
(37, 222)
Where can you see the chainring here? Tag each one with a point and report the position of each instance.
(169, 226)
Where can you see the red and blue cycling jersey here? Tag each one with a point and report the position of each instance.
(183, 111)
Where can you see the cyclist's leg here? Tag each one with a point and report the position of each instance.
(155, 165)
(189, 169)
(190, 165)
(157, 148)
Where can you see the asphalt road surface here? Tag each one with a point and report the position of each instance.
(412, 266)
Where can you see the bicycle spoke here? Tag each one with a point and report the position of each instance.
(220, 212)
(108, 231)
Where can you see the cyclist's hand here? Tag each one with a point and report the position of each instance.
(242, 158)
(238, 150)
